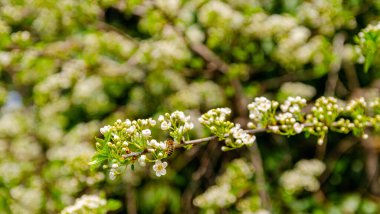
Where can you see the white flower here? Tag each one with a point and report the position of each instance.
(159, 168)
(142, 160)
(179, 115)
(165, 125)
(162, 145)
(128, 122)
(112, 174)
(152, 142)
(298, 127)
(131, 129)
(321, 141)
(161, 118)
(146, 132)
(188, 126)
(116, 137)
(152, 122)
(274, 128)
(105, 129)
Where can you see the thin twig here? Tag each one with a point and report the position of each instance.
(203, 140)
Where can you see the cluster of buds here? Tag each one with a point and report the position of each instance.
(216, 121)
(262, 112)
(324, 113)
(355, 110)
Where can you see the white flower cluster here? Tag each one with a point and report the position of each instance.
(357, 104)
(177, 123)
(198, 94)
(238, 138)
(368, 29)
(218, 114)
(324, 15)
(326, 109)
(234, 136)
(226, 16)
(356, 109)
(293, 105)
(324, 113)
(154, 144)
(219, 196)
(375, 106)
(170, 7)
(260, 109)
(162, 53)
(86, 204)
(30, 199)
(364, 45)
(124, 138)
(113, 172)
(288, 124)
(264, 26)
(236, 178)
(303, 176)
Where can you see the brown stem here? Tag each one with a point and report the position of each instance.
(260, 177)
(333, 76)
(130, 200)
(352, 78)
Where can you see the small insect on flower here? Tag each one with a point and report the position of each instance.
(169, 147)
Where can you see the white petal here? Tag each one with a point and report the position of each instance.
(163, 172)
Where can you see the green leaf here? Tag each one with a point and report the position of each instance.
(133, 167)
(113, 205)
(98, 160)
(100, 140)
(368, 61)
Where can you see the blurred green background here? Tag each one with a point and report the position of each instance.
(68, 67)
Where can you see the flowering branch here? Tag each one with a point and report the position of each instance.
(126, 142)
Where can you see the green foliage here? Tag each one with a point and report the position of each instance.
(369, 43)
